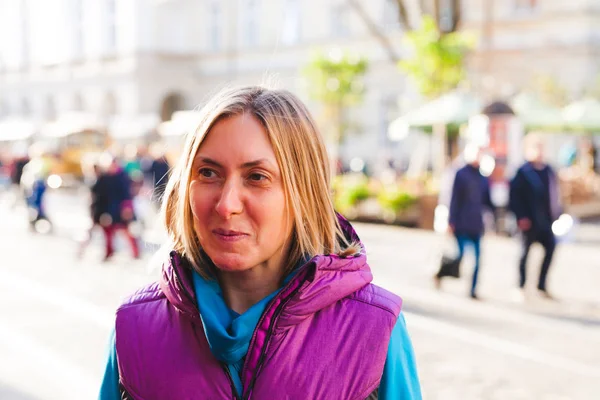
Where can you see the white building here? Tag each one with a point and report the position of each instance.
(522, 39)
(133, 57)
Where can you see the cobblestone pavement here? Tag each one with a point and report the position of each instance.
(56, 312)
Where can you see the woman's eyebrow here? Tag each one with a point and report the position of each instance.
(210, 161)
(248, 164)
(255, 163)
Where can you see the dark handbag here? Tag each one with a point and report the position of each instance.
(449, 266)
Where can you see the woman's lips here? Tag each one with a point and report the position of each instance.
(228, 235)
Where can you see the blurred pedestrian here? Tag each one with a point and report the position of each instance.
(132, 165)
(266, 292)
(535, 201)
(33, 183)
(158, 173)
(120, 209)
(99, 206)
(469, 199)
(16, 167)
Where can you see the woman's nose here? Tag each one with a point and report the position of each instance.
(230, 202)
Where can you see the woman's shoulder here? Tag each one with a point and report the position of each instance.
(149, 292)
(379, 298)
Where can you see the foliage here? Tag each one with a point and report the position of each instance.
(593, 90)
(349, 190)
(437, 63)
(551, 91)
(395, 199)
(336, 78)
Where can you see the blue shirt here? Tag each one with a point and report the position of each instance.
(229, 333)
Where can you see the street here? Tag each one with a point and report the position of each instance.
(57, 310)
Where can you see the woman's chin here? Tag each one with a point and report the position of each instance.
(231, 263)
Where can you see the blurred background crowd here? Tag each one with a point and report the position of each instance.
(96, 98)
(398, 87)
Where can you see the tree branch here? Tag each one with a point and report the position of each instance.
(375, 30)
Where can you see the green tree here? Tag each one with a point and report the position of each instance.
(437, 64)
(336, 81)
(550, 90)
(593, 90)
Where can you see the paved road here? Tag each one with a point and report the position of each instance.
(56, 312)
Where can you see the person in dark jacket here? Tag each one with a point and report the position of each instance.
(535, 201)
(119, 209)
(158, 174)
(99, 206)
(470, 197)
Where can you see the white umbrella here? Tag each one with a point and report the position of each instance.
(13, 129)
(132, 126)
(452, 108)
(535, 113)
(582, 115)
(72, 122)
(181, 123)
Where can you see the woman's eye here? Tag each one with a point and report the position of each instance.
(206, 173)
(256, 177)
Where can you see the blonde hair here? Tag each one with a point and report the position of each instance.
(302, 159)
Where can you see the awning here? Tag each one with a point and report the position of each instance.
(452, 108)
(14, 129)
(132, 126)
(72, 122)
(535, 113)
(181, 122)
(582, 115)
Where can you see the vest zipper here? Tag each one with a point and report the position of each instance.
(236, 396)
(178, 278)
(263, 351)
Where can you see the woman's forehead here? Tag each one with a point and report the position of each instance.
(239, 140)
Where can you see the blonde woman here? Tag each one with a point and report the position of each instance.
(266, 293)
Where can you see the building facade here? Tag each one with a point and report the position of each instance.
(521, 40)
(134, 57)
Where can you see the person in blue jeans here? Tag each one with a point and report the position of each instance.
(470, 198)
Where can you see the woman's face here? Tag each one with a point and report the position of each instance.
(237, 197)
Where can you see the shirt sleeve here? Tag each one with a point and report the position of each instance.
(400, 380)
(109, 388)
(455, 197)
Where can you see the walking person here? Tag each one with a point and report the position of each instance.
(158, 173)
(535, 201)
(99, 207)
(120, 209)
(33, 182)
(469, 199)
(266, 292)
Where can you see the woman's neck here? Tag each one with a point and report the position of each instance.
(243, 289)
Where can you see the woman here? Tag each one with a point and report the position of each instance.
(266, 292)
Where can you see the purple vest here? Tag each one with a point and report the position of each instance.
(324, 336)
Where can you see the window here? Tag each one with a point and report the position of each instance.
(291, 22)
(78, 102)
(25, 37)
(110, 105)
(525, 5)
(25, 107)
(446, 15)
(111, 25)
(50, 108)
(388, 110)
(77, 26)
(391, 15)
(250, 25)
(215, 23)
(339, 20)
